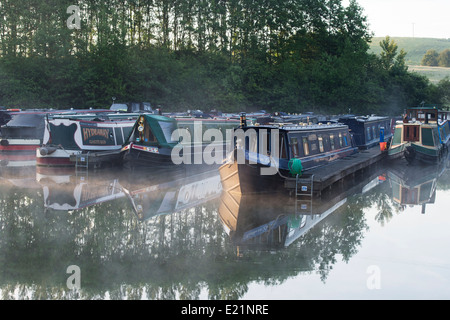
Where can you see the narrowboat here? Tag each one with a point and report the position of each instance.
(23, 134)
(264, 156)
(84, 139)
(4, 119)
(423, 136)
(368, 131)
(159, 141)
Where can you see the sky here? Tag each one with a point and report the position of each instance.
(407, 18)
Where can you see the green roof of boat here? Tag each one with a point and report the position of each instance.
(154, 121)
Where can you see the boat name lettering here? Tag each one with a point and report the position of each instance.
(88, 133)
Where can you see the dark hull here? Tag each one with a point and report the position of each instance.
(247, 178)
(136, 158)
(413, 156)
(324, 159)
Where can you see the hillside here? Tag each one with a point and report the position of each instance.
(416, 49)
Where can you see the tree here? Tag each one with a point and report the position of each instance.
(443, 88)
(430, 58)
(391, 59)
(444, 58)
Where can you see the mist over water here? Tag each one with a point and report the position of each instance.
(179, 236)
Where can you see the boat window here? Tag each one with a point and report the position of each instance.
(427, 137)
(321, 144)
(345, 140)
(426, 191)
(119, 136)
(237, 143)
(283, 154)
(397, 139)
(252, 143)
(374, 135)
(168, 128)
(332, 141)
(148, 135)
(294, 147)
(369, 134)
(411, 133)
(340, 139)
(305, 146)
(396, 192)
(264, 143)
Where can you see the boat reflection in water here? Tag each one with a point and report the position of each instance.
(66, 189)
(259, 222)
(415, 186)
(150, 193)
(171, 190)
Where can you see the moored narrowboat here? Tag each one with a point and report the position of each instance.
(23, 134)
(423, 136)
(78, 138)
(368, 131)
(4, 119)
(160, 141)
(265, 155)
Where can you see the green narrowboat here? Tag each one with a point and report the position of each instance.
(423, 136)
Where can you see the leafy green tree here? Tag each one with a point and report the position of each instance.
(443, 91)
(430, 58)
(444, 58)
(390, 57)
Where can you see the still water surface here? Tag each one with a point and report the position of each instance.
(178, 235)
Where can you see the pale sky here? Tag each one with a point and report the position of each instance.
(407, 18)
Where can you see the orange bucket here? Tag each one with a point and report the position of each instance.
(383, 146)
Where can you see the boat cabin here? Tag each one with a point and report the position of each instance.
(368, 131)
(313, 144)
(423, 134)
(153, 131)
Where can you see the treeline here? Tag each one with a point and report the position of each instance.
(434, 59)
(230, 55)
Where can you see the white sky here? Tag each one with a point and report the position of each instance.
(407, 18)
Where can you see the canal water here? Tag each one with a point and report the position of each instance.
(176, 235)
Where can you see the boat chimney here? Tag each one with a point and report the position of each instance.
(243, 118)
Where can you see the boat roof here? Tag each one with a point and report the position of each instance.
(154, 121)
(299, 127)
(363, 118)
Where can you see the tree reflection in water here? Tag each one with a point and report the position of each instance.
(184, 254)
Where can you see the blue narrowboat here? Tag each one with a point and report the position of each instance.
(367, 130)
(268, 154)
